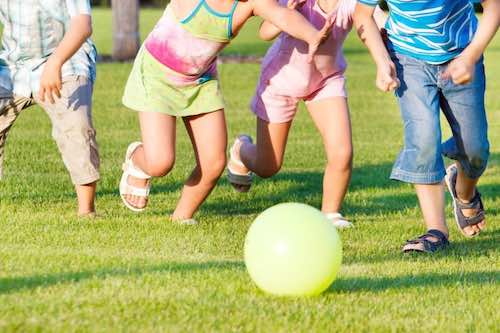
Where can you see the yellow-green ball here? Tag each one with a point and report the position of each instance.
(292, 250)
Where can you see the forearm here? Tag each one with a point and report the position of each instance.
(369, 33)
(285, 19)
(487, 29)
(268, 31)
(80, 29)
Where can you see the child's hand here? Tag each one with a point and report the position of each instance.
(320, 37)
(460, 70)
(387, 79)
(51, 81)
(293, 4)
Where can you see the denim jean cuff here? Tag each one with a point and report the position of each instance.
(417, 178)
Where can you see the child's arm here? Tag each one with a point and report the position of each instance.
(269, 31)
(369, 33)
(291, 22)
(461, 69)
(51, 81)
(380, 17)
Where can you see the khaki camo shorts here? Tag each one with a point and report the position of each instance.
(72, 127)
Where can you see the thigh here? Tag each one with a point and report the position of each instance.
(158, 131)
(10, 108)
(331, 117)
(418, 98)
(463, 106)
(271, 142)
(208, 135)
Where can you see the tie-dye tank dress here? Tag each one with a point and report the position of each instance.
(175, 71)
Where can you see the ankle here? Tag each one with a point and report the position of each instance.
(443, 229)
(84, 210)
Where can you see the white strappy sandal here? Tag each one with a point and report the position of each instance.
(338, 220)
(129, 169)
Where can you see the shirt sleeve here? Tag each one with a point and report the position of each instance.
(372, 3)
(78, 7)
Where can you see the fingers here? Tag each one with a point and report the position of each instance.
(446, 75)
(50, 93)
(41, 94)
(462, 79)
(388, 84)
(326, 28)
(310, 55)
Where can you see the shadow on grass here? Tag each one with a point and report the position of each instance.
(377, 284)
(462, 248)
(307, 187)
(15, 284)
(357, 284)
(296, 186)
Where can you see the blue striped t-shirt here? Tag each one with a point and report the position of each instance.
(434, 31)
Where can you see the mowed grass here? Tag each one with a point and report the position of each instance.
(141, 273)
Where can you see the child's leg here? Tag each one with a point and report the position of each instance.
(208, 135)
(10, 108)
(432, 204)
(156, 155)
(464, 108)
(420, 162)
(266, 156)
(331, 117)
(74, 133)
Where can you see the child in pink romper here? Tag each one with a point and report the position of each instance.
(287, 78)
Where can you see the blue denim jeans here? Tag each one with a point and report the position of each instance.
(421, 96)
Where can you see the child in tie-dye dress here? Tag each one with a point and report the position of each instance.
(287, 78)
(175, 75)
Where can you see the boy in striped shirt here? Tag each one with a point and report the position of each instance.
(434, 60)
(48, 59)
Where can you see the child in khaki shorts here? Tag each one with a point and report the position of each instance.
(49, 60)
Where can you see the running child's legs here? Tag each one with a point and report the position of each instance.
(156, 155)
(208, 135)
(422, 94)
(332, 119)
(74, 133)
(463, 106)
(265, 158)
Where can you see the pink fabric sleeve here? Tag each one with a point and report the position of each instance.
(345, 13)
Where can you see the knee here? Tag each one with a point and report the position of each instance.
(214, 167)
(340, 159)
(160, 167)
(477, 159)
(268, 170)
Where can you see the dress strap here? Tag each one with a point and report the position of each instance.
(194, 12)
(230, 23)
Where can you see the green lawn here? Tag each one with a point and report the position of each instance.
(140, 273)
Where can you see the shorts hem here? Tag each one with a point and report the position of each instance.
(326, 97)
(87, 180)
(417, 178)
(188, 114)
(269, 120)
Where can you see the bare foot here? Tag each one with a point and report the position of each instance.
(473, 229)
(136, 201)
